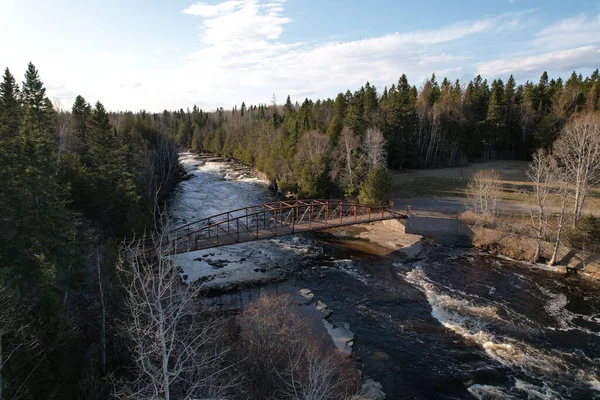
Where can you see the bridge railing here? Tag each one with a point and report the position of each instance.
(272, 219)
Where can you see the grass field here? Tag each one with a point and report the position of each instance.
(452, 183)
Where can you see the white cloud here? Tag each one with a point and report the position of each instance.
(563, 60)
(570, 32)
(241, 57)
(206, 10)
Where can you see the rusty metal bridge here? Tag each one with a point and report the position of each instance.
(271, 220)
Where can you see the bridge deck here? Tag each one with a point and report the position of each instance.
(199, 242)
(266, 221)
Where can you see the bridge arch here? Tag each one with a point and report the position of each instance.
(274, 219)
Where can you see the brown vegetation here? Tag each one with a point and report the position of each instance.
(484, 189)
(285, 359)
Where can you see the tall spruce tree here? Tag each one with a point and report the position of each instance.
(80, 113)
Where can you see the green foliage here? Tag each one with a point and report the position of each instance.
(586, 236)
(110, 174)
(374, 189)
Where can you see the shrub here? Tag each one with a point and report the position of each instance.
(484, 189)
(285, 359)
(586, 236)
(374, 189)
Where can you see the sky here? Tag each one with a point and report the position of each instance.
(156, 55)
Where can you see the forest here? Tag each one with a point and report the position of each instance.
(76, 184)
(349, 141)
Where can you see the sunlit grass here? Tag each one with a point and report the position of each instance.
(452, 183)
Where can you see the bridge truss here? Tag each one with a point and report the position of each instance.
(271, 220)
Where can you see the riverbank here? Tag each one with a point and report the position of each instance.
(428, 320)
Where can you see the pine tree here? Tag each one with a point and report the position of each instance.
(370, 103)
(509, 102)
(80, 113)
(115, 192)
(10, 109)
(288, 108)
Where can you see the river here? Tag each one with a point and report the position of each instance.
(453, 323)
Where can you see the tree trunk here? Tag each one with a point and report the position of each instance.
(103, 326)
(1, 363)
(538, 250)
(561, 220)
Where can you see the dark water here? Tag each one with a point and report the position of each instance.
(458, 324)
(454, 324)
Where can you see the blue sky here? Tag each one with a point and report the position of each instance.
(160, 55)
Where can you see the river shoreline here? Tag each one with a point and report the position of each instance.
(427, 319)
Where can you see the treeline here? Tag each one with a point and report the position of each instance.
(306, 147)
(72, 185)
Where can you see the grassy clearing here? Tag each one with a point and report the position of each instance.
(452, 182)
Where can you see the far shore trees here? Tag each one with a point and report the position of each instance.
(578, 151)
(541, 172)
(484, 189)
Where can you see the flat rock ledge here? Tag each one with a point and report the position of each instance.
(343, 339)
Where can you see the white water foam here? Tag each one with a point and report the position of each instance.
(487, 392)
(217, 187)
(556, 308)
(348, 267)
(537, 392)
(473, 321)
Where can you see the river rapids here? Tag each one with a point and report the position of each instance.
(452, 323)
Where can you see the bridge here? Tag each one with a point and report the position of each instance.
(270, 220)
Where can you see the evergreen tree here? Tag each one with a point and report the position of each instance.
(10, 109)
(288, 108)
(80, 113)
(112, 183)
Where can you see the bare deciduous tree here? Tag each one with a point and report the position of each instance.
(14, 339)
(578, 150)
(286, 360)
(560, 189)
(525, 119)
(541, 174)
(176, 347)
(374, 148)
(63, 125)
(484, 189)
(345, 160)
